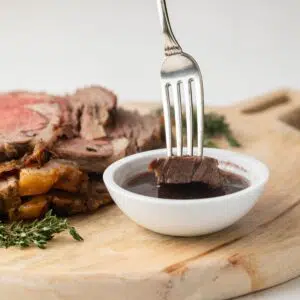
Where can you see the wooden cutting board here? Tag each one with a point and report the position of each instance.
(120, 260)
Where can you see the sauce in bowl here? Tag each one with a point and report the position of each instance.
(144, 183)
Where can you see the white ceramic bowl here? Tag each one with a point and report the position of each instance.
(186, 217)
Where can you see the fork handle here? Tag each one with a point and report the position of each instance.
(171, 44)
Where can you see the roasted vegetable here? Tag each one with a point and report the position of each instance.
(71, 179)
(56, 173)
(35, 181)
(35, 208)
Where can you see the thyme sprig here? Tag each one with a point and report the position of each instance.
(37, 233)
(215, 125)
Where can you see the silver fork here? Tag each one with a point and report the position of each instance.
(178, 73)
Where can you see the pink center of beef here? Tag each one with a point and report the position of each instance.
(16, 114)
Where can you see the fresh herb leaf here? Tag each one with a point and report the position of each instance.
(38, 233)
(75, 234)
(232, 141)
(215, 125)
(209, 143)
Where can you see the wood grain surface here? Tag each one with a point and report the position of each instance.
(120, 260)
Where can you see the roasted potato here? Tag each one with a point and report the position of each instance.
(35, 181)
(59, 174)
(34, 208)
(70, 179)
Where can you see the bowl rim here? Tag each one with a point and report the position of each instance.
(108, 177)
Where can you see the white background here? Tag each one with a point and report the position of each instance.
(243, 47)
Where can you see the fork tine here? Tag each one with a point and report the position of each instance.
(178, 116)
(167, 117)
(199, 97)
(189, 116)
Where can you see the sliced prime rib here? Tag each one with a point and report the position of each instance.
(143, 132)
(92, 156)
(92, 110)
(187, 169)
(31, 118)
(130, 133)
(85, 127)
(49, 144)
(27, 118)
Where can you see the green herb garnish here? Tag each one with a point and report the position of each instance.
(215, 125)
(38, 233)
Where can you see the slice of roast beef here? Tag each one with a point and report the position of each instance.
(92, 156)
(33, 122)
(84, 128)
(143, 131)
(187, 169)
(28, 118)
(130, 133)
(92, 110)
